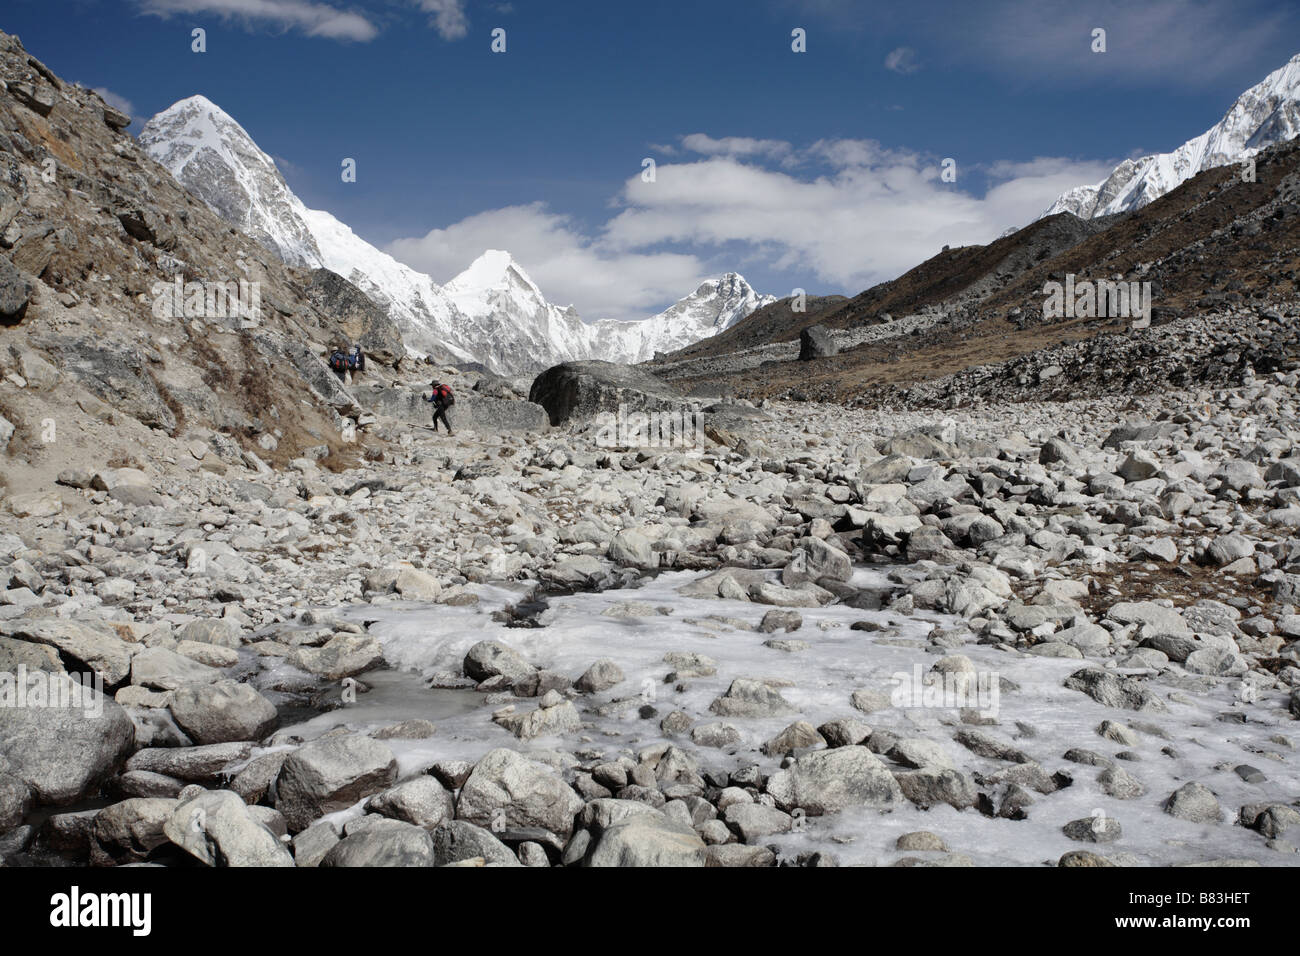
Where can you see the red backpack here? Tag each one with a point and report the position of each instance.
(442, 394)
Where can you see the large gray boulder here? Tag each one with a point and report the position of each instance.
(89, 648)
(343, 655)
(422, 801)
(222, 712)
(582, 390)
(383, 843)
(827, 781)
(507, 790)
(1114, 690)
(205, 764)
(63, 753)
(816, 342)
(649, 839)
(329, 774)
(488, 659)
(127, 832)
(751, 698)
(217, 828)
(161, 669)
(458, 840)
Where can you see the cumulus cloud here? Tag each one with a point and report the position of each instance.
(902, 60)
(835, 215)
(311, 18)
(447, 17)
(568, 265)
(868, 215)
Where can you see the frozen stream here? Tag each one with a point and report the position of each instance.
(637, 627)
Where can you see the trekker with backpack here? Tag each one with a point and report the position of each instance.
(357, 360)
(442, 399)
(339, 363)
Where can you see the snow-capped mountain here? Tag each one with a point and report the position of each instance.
(491, 313)
(211, 155)
(1265, 114)
(716, 305)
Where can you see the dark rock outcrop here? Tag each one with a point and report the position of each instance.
(816, 342)
(361, 320)
(582, 390)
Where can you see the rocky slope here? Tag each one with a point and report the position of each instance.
(102, 358)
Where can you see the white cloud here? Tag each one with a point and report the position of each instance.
(902, 60)
(836, 215)
(313, 19)
(570, 267)
(448, 19)
(877, 213)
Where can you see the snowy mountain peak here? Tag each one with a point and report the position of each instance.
(493, 312)
(493, 273)
(216, 160)
(1267, 113)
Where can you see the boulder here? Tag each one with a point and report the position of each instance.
(383, 843)
(329, 774)
(816, 342)
(222, 712)
(488, 659)
(128, 831)
(89, 648)
(507, 790)
(422, 801)
(582, 390)
(650, 839)
(63, 753)
(217, 828)
(827, 781)
(458, 841)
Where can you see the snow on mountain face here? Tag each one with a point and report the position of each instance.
(716, 305)
(491, 313)
(211, 156)
(1265, 114)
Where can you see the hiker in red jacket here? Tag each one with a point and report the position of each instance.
(442, 399)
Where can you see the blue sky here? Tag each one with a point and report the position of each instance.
(817, 170)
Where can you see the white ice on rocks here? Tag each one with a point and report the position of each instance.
(428, 639)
